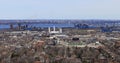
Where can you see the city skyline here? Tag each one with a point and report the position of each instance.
(59, 9)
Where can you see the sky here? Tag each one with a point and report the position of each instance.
(59, 9)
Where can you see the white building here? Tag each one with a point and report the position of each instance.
(54, 30)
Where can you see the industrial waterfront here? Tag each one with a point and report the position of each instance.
(60, 41)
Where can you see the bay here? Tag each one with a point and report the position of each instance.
(39, 25)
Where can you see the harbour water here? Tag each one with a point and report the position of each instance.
(40, 25)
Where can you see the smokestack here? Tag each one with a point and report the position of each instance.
(54, 28)
(49, 29)
(60, 30)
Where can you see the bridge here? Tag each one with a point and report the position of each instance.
(33, 21)
(61, 21)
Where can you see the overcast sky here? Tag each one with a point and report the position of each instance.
(59, 9)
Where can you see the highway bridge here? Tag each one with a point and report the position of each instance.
(34, 21)
(60, 21)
